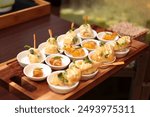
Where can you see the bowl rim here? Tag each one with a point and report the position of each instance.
(94, 40)
(60, 87)
(35, 78)
(69, 55)
(101, 39)
(52, 55)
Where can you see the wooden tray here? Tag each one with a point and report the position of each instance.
(17, 17)
(13, 79)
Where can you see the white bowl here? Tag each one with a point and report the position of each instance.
(123, 53)
(87, 76)
(105, 63)
(23, 59)
(96, 41)
(79, 35)
(60, 89)
(28, 71)
(100, 36)
(77, 58)
(60, 41)
(65, 61)
(42, 46)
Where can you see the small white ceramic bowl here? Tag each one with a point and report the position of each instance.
(106, 63)
(60, 41)
(23, 59)
(65, 61)
(28, 71)
(42, 46)
(100, 36)
(79, 35)
(87, 40)
(60, 89)
(77, 58)
(87, 76)
(123, 53)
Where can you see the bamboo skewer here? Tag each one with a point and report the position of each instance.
(34, 38)
(85, 18)
(50, 33)
(72, 25)
(113, 64)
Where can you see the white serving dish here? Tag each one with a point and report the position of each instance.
(65, 61)
(123, 53)
(41, 47)
(23, 59)
(60, 89)
(77, 58)
(100, 36)
(96, 41)
(79, 35)
(28, 71)
(60, 41)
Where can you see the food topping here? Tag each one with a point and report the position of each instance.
(37, 72)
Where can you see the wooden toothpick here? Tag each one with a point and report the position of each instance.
(50, 33)
(34, 38)
(85, 18)
(72, 25)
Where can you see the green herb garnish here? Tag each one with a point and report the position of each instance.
(87, 60)
(31, 51)
(27, 46)
(102, 43)
(61, 77)
(57, 57)
(75, 40)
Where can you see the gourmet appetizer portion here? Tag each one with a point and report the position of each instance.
(75, 52)
(90, 44)
(107, 36)
(32, 55)
(121, 46)
(57, 61)
(103, 54)
(64, 81)
(37, 71)
(87, 67)
(50, 46)
(85, 30)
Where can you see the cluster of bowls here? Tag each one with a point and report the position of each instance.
(47, 68)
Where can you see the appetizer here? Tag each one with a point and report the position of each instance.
(37, 72)
(86, 66)
(90, 44)
(34, 55)
(109, 36)
(103, 54)
(67, 78)
(86, 31)
(56, 61)
(51, 45)
(75, 51)
(122, 43)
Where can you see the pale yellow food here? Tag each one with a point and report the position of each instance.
(85, 67)
(103, 54)
(122, 43)
(70, 38)
(37, 72)
(110, 36)
(34, 55)
(67, 78)
(86, 30)
(51, 46)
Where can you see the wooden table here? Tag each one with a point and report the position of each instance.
(20, 35)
